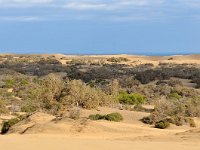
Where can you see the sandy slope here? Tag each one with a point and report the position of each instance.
(83, 134)
(139, 59)
(59, 142)
(40, 133)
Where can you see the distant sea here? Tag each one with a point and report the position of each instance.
(145, 54)
(60, 52)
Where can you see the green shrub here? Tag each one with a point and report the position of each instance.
(8, 124)
(9, 83)
(174, 95)
(162, 124)
(110, 117)
(114, 117)
(96, 117)
(131, 99)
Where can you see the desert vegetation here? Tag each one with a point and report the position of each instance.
(43, 84)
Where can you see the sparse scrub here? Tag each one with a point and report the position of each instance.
(74, 114)
(174, 95)
(139, 107)
(29, 108)
(3, 109)
(178, 112)
(117, 59)
(191, 122)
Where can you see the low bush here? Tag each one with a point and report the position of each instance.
(177, 120)
(8, 124)
(117, 117)
(162, 124)
(114, 117)
(139, 107)
(190, 121)
(96, 117)
(147, 120)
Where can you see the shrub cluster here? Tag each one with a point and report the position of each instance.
(177, 112)
(78, 93)
(110, 117)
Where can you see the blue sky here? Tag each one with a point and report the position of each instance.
(150, 27)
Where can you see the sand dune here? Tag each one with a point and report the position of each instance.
(48, 142)
(42, 131)
(134, 59)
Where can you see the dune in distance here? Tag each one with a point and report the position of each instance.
(134, 59)
(93, 102)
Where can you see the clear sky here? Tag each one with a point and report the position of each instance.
(151, 27)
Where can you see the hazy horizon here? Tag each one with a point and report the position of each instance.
(60, 52)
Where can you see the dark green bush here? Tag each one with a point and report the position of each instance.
(96, 117)
(8, 124)
(162, 124)
(110, 117)
(147, 120)
(114, 117)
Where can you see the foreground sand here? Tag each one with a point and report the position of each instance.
(129, 134)
(60, 142)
